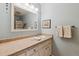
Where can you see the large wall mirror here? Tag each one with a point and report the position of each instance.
(23, 17)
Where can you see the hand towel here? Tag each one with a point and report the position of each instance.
(60, 31)
(67, 31)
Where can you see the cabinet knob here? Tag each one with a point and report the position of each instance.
(34, 50)
(46, 48)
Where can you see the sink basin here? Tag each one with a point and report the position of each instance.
(37, 38)
(42, 36)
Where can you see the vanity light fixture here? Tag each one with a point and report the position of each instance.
(31, 6)
(27, 4)
(36, 9)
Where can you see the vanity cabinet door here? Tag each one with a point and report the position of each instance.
(33, 51)
(47, 50)
(41, 52)
(29, 52)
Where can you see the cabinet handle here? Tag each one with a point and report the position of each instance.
(34, 50)
(46, 48)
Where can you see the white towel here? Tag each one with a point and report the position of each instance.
(67, 31)
(60, 31)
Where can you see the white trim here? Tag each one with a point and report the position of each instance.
(12, 17)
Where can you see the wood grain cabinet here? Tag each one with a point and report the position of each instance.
(20, 53)
(47, 50)
(40, 49)
(32, 51)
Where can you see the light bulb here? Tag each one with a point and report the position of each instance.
(27, 4)
(36, 9)
(32, 6)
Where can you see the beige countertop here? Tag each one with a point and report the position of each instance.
(8, 48)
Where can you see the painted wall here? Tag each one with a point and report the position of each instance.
(62, 14)
(5, 23)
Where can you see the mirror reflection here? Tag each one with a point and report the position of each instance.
(24, 19)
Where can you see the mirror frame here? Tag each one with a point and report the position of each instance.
(12, 21)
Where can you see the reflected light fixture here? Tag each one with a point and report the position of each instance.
(31, 6)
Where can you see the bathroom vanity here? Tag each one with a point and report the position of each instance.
(24, 18)
(40, 45)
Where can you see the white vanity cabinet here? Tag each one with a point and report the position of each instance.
(40, 49)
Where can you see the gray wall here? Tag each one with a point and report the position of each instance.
(62, 14)
(5, 24)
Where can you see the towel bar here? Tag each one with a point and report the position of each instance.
(71, 26)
